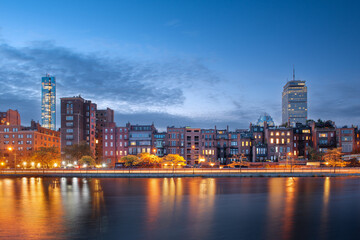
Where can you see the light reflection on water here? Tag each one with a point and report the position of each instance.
(179, 208)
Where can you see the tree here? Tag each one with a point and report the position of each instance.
(314, 156)
(47, 156)
(77, 151)
(174, 160)
(333, 158)
(130, 160)
(354, 163)
(149, 160)
(88, 160)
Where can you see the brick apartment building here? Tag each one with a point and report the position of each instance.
(10, 117)
(78, 122)
(20, 142)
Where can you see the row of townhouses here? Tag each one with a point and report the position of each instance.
(263, 141)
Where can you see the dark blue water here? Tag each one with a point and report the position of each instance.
(180, 208)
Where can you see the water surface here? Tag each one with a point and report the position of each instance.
(180, 208)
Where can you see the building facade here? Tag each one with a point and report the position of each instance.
(48, 102)
(17, 143)
(104, 118)
(78, 122)
(10, 117)
(294, 103)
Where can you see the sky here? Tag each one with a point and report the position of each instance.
(182, 63)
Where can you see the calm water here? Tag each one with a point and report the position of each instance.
(180, 208)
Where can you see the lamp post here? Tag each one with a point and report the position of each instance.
(289, 155)
(11, 149)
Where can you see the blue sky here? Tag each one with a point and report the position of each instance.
(198, 63)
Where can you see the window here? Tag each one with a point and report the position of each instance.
(69, 137)
(70, 130)
(271, 140)
(29, 136)
(323, 135)
(28, 142)
(20, 136)
(69, 118)
(68, 143)
(15, 129)
(69, 124)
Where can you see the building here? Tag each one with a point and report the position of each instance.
(10, 117)
(279, 143)
(208, 148)
(175, 141)
(115, 143)
(159, 144)
(192, 145)
(78, 122)
(17, 143)
(323, 135)
(104, 118)
(294, 102)
(265, 118)
(140, 138)
(346, 139)
(48, 102)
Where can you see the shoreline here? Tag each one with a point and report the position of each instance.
(179, 175)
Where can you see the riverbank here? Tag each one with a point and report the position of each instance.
(180, 173)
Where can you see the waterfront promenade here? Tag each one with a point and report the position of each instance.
(184, 172)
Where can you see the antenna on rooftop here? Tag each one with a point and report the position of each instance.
(293, 72)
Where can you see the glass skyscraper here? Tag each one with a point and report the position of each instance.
(48, 102)
(294, 102)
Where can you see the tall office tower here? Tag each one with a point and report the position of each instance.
(294, 102)
(78, 122)
(48, 102)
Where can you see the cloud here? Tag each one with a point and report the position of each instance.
(127, 86)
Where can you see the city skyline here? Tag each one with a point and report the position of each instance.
(199, 76)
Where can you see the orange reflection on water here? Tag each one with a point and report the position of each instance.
(289, 208)
(26, 207)
(44, 208)
(169, 197)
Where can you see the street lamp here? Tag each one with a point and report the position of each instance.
(24, 163)
(289, 155)
(11, 149)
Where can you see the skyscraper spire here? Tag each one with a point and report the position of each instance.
(293, 72)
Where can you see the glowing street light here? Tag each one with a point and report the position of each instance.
(32, 164)
(55, 164)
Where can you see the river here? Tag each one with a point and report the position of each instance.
(180, 208)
